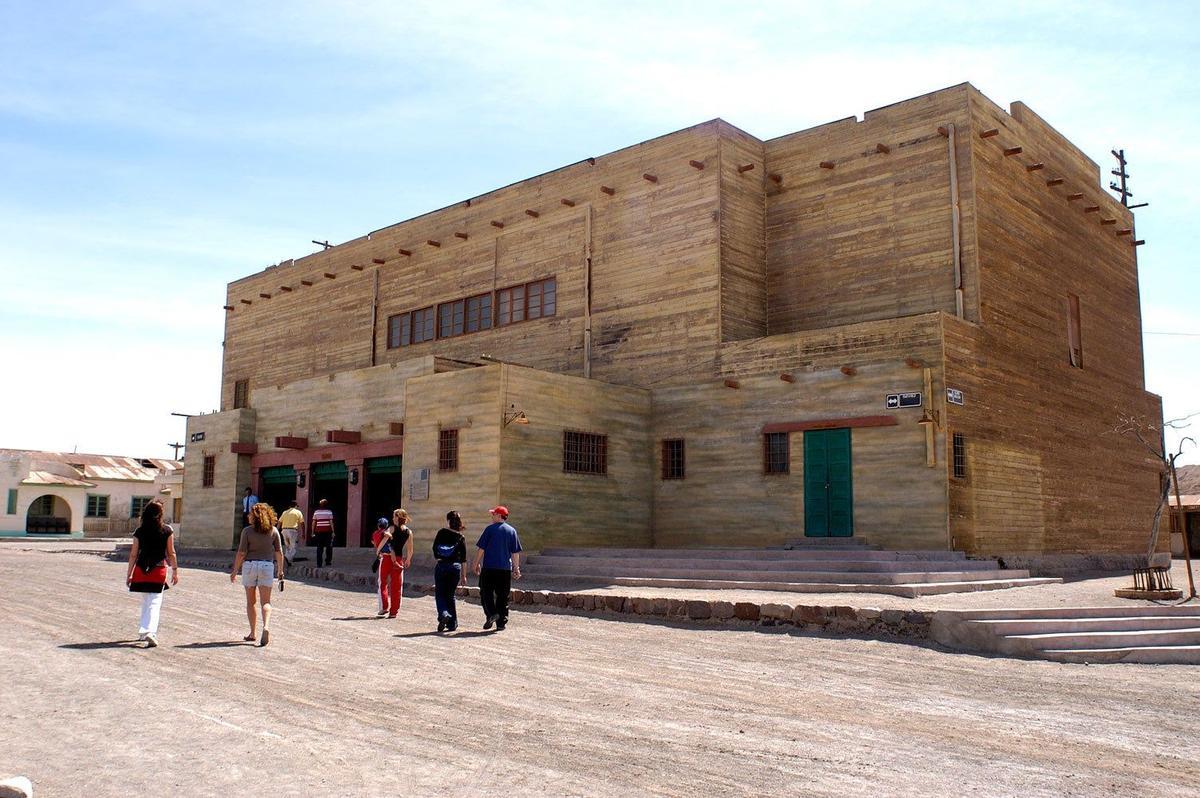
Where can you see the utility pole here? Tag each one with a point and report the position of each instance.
(1122, 188)
(176, 447)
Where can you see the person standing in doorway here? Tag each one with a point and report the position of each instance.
(450, 550)
(248, 502)
(292, 523)
(497, 563)
(323, 529)
(152, 550)
(395, 554)
(260, 560)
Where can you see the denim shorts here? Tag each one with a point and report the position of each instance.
(258, 573)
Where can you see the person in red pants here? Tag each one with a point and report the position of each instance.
(395, 549)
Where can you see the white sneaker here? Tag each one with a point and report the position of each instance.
(142, 637)
(151, 641)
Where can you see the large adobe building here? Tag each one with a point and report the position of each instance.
(709, 339)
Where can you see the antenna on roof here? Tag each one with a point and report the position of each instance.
(324, 244)
(1122, 188)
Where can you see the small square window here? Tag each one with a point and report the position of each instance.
(97, 506)
(585, 453)
(137, 505)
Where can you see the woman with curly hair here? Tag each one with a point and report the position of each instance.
(260, 559)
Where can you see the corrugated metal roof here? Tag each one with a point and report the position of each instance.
(46, 478)
(103, 466)
(1186, 500)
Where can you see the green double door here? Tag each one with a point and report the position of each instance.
(828, 491)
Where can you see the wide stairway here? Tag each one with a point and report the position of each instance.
(822, 565)
(1150, 634)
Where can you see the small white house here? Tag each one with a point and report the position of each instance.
(64, 493)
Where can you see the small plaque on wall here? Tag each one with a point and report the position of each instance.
(955, 397)
(896, 400)
(418, 489)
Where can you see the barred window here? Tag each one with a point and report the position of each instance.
(137, 504)
(210, 468)
(97, 506)
(672, 459)
(775, 453)
(960, 456)
(585, 453)
(241, 394)
(448, 450)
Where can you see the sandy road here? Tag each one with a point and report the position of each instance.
(343, 704)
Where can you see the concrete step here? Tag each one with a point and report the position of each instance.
(1151, 655)
(903, 590)
(827, 543)
(1035, 626)
(772, 555)
(623, 564)
(1069, 641)
(746, 575)
(1120, 611)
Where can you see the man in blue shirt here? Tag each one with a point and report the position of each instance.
(497, 563)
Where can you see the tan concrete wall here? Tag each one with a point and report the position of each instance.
(553, 508)
(468, 401)
(214, 513)
(727, 500)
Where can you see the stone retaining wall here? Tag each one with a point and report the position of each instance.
(857, 621)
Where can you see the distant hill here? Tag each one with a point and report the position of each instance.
(1189, 479)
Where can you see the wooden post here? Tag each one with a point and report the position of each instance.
(930, 429)
(1187, 548)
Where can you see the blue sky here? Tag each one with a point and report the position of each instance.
(152, 152)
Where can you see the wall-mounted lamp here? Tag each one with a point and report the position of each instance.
(928, 417)
(515, 417)
(301, 479)
(353, 476)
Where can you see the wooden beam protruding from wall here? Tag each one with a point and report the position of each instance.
(787, 377)
(285, 288)
(775, 178)
(1078, 195)
(649, 177)
(696, 164)
(1033, 167)
(609, 190)
(732, 384)
(532, 213)
(306, 282)
(497, 224)
(746, 167)
(395, 428)
(1102, 221)
(943, 131)
(569, 203)
(343, 436)
(405, 252)
(265, 296)
(1055, 181)
(290, 442)
(827, 164)
(433, 243)
(1011, 151)
(243, 448)
(1125, 231)
(987, 134)
(1091, 209)
(379, 261)
(247, 302)
(1139, 242)
(849, 371)
(463, 236)
(882, 148)
(330, 276)
(228, 307)
(358, 267)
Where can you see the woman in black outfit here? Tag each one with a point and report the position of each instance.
(153, 548)
(450, 550)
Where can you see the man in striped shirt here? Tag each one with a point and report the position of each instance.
(323, 529)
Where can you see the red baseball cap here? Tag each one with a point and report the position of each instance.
(499, 509)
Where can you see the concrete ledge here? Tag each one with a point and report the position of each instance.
(1068, 565)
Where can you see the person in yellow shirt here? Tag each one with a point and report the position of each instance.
(292, 522)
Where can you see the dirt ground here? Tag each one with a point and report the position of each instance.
(558, 705)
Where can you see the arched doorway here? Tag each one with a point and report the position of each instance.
(49, 514)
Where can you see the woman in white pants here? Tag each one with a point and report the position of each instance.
(153, 548)
(260, 560)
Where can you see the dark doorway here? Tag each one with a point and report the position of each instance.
(382, 493)
(329, 483)
(828, 491)
(277, 487)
